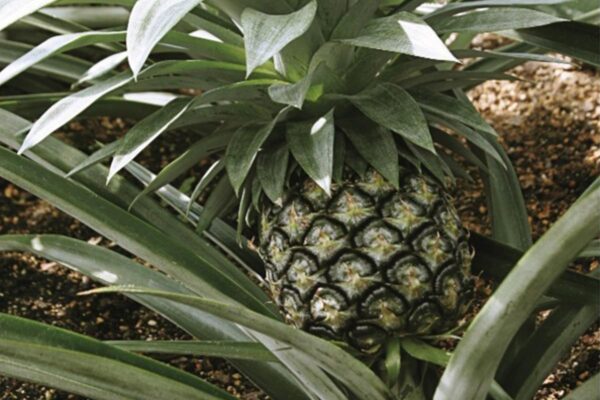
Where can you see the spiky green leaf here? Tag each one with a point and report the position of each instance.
(265, 35)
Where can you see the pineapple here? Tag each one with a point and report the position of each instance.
(370, 261)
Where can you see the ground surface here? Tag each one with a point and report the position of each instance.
(549, 122)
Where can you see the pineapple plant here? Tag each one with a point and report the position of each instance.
(331, 145)
(332, 127)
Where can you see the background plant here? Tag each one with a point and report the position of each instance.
(241, 85)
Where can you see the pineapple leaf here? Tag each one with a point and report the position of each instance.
(586, 390)
(220, 200)
(271, 170)
(210, 174)
(355, 19)
(423, 351)
(235, 113)
(69, 107)
(101, 68)
(203, 48)
(253, 89)
(265, 35)
(195, 153)
(105, 152)
(392, 361)
(459, 7)
(208, 348)
(292, 94)
(471, 135)
(575, 39)
(107, 267)
(339, 154)
(431, 161)
(48, 355)
(337, 362)
(391, 106)
(402, 33)
(62, 67)
(14, 10)
(244, 147)
(244, 204)
(452, 108)
(312, 146)
(295, 94)
(456, 146)
(377, 146)
(145, 131)
(149, 21)
(55, 45)
(495, 19)
(479, 354)
(329, 14)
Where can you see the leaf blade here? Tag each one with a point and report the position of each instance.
(265, 35)
(149, 21)
(381, 104)
(402, 33)
(312, 146)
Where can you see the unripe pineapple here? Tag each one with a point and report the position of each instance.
(370, 261)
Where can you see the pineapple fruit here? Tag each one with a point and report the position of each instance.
(369, 261)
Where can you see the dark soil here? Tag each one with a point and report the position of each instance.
(550, 124)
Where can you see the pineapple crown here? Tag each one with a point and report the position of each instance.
(315, 85)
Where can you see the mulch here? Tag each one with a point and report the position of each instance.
(549, 122)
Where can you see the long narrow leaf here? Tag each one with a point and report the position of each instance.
(145, 131)
(149, 21)
(224, 349)
(55, 45)
(265, 35)
(130, 232)
(13, 10)
(107, 267)
(472, 368)
(312, 146)
(69, 107)
(358, 377)
(54, 356)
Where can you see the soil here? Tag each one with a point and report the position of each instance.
(549, 122)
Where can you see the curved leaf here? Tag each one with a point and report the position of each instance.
(496, 19)
(54, 45)
(149, 21)
(376, 145)
(243, 149)
(67, 108)
(402, 33)
(14, 10)
(473, 365)
(102, 68)
(265, 35)
(340, 364)
(271, 168)
(312, 146)
(145, 131)
(209, 348)
(107, 267)
(132, 233)
(57, 357)
(382, 103)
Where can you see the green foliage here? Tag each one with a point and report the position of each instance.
(287, 87)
